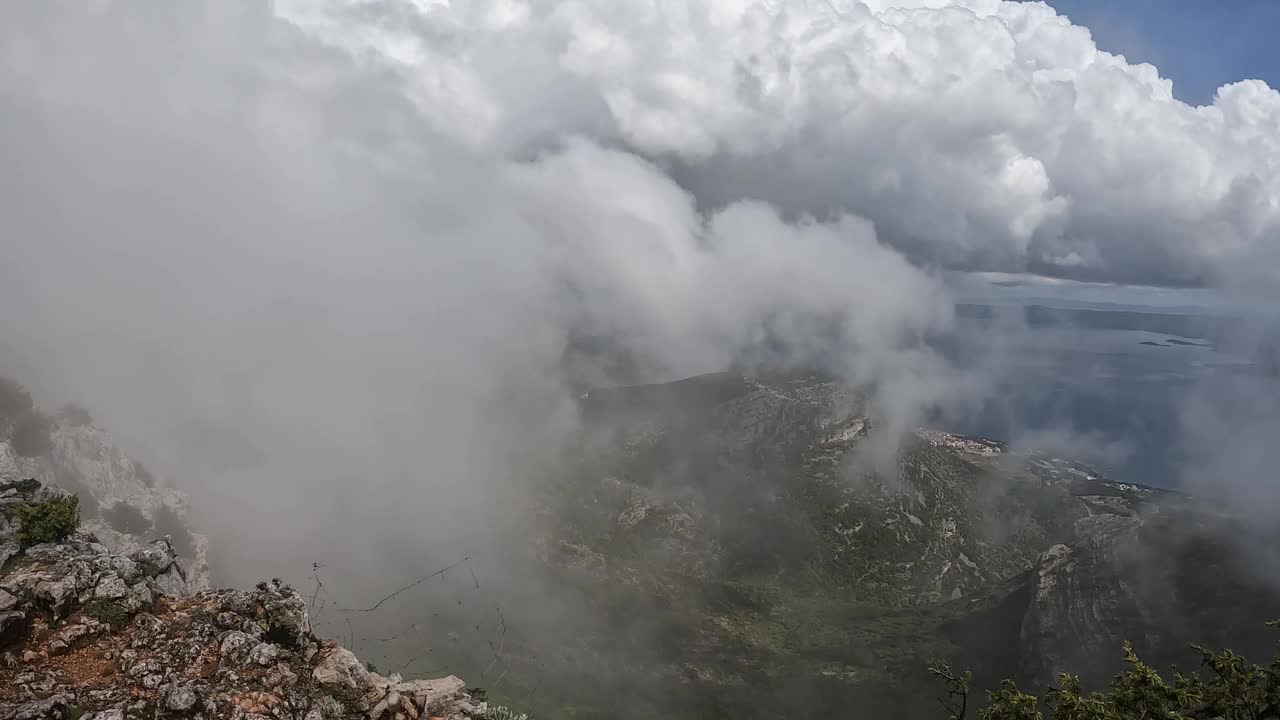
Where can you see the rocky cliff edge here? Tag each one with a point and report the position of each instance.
(86, 632)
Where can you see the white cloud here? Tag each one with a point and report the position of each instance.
(982, 134)
(355, 243)
(303, 268)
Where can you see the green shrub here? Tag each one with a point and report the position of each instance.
(14, 399)
(69, 478)
(127, 519)
(31, 436)
(1233, 689)
(108, 612)
(49, 521)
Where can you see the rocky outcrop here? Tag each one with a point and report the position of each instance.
(750, 522)
(85, 460)
(1082, 604)
(1160, 578)
(673, 468)
(87, 632)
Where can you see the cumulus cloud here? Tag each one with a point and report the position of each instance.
(309, 232)
(979, 134)
(332, 291)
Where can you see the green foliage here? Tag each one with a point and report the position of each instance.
(48, 521)
(108, 612)
(371, 667)
(14, 399)
(31, 435)
(1010, 703)
(127, 519)
(957, 701)
(1233, 689)
(68, 478)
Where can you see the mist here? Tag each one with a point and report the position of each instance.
(319, 263)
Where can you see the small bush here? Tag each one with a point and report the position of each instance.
(127, 519)
(49, 521)
(75, 416)
(168, 523)
(14, 399)
(23, 486)
(107, 612)
(31, 435)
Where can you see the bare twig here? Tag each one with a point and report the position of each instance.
(315, 573)
(410, 586)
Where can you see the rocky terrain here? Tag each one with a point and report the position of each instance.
(731, 546)
(752, 559)
(87, 632)
(121, 501)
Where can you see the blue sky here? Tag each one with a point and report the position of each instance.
(1199, 44)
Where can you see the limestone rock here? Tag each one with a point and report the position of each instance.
(213, 654)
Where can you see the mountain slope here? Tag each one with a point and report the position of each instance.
(754, 560)
(120, 500)
(729, 546)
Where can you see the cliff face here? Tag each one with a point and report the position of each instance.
(121, 502)
(1174, 574)
(89, 632)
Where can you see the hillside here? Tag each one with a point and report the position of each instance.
(728, 544)
(753, 563)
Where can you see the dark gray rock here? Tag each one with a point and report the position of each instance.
(181, 699)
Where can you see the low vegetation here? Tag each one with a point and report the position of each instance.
(48, 521)
(107, 612)
(1229, 687)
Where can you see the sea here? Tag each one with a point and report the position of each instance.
(1148, 385)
